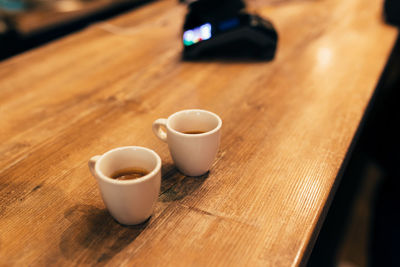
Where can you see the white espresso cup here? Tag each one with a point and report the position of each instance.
(128, 201)
(192, 153)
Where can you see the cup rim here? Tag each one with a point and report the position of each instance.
(219, 125)
(107, 179)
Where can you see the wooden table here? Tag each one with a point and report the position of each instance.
(287, 127)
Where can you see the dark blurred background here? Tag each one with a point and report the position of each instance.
(362, 227)
(25, 24)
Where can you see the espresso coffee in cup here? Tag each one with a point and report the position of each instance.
(193, 132)
(193, 138)
(129, 179)
(129, 174)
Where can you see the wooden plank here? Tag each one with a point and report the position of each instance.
(287, 126)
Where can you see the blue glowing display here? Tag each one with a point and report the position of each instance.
(228, 24)
(197, 34)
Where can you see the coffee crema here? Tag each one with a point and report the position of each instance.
(193, 132)
(129, 174)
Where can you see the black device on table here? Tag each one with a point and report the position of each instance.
(222, 29)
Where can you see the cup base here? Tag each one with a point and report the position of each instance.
(195, 174)
(133, 222)
(144, 223)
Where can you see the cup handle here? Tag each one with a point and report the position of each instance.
(158, 131)
(92, 163)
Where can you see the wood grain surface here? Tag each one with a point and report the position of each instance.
(287, 127)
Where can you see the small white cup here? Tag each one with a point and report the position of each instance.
(193, 154)
(128, 201)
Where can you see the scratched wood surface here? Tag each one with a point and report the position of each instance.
(287, 126)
